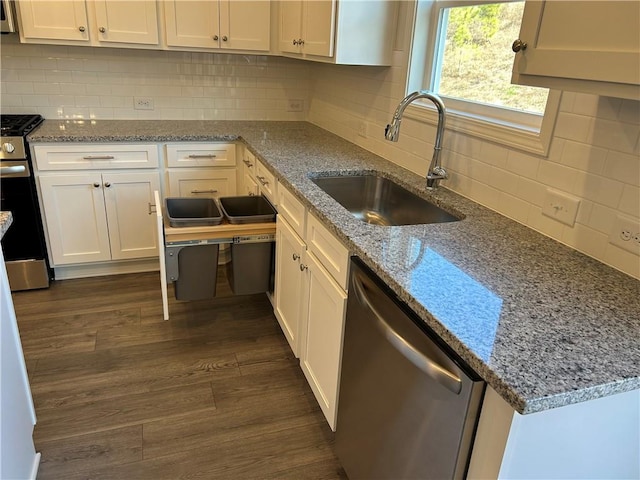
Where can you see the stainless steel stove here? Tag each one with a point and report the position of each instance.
(23, 245)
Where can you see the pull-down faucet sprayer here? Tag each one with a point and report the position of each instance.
(392, 132)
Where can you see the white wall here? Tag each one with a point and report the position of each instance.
(594, 155)
(71, 82)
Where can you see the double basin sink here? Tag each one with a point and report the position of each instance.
(380, 201)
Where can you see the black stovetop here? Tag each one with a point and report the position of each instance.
(19, 125)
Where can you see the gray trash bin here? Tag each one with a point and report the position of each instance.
(251, 267)
(197, 264)
(197, 272)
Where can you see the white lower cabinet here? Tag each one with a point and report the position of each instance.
(96, 217)
(310, 303)
(291, 283)
(322, 332)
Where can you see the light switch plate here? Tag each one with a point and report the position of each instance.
(561, 206)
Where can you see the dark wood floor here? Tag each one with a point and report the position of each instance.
(213, 393)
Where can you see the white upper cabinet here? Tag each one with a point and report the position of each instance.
(333, 31)
(224, 24)
(584, 46)
(127, 22)
(94, 22)
(53, 20)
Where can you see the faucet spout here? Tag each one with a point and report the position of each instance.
(436, 172)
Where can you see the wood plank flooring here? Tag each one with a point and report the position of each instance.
(213, 393)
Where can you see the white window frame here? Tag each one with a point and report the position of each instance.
(468, 117)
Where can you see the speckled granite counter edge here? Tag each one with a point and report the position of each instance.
(6, 219)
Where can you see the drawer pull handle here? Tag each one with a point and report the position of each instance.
(204, 191)
(303, 267)
(152, 209)
(262, 180)
(98, 157)
(296, 256)
(13, 169)
(207, 155)
(247, 163)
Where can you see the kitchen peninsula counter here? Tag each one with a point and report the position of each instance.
(543, 324)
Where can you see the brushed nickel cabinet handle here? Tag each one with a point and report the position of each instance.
(303, 267)
(215, 37)
(204, 191)
(247, 163)
(102, 29)
(107, 184)
(296, 256)
(263, 181)
(98, 157)
(81, 28)
(224, 38)
(206, 155)
(96, 185)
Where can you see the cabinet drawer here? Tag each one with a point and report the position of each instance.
(266, 182)
(249, 161)
(202, 183)
(92, 156)
(292, 210)
(331, 253)
(201, 155)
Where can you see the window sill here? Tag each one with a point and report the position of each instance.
(502, 133)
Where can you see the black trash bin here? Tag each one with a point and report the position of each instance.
(252, 263)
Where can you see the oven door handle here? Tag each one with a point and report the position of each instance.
(16, 169)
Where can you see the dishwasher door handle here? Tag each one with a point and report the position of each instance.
(433, 369)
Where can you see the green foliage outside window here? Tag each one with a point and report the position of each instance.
(478, 59)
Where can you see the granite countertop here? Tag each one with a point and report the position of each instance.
(6, 219)
(543, 324)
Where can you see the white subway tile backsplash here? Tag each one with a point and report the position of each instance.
(630, 200)
(623, 167)
(573, 127)
(614, 135)
(598, 189)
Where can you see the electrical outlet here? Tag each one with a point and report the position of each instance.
(561, 207)
(362, 129)
(143, 103)
(295, 105)
(625, 234)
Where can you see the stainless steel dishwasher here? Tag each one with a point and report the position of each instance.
(408, 408)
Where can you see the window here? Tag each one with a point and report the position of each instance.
(462, 51)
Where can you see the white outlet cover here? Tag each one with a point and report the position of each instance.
(625, 234)
(560, 206)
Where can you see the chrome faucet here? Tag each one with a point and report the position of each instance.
(392, 132)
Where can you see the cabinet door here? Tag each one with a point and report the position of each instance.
(321, 351)
(245, 25)
(209, 183)
(192, 23)
(127, 22)
(580, 40)
(75, 216)
(290, 26)
(54, 20)
(290, 283)
(132, 227)
(318, 27)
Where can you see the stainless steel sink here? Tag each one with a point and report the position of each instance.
(380, 201)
